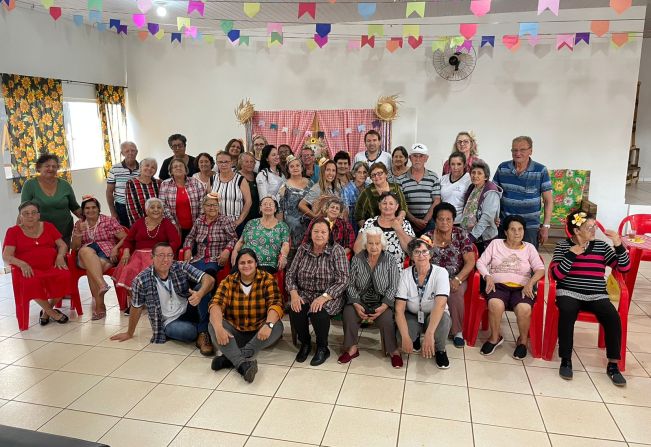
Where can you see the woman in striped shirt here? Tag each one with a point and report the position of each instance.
(140, 189)
(578, 265)
(234, 192)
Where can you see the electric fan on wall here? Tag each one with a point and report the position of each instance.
(454, 64)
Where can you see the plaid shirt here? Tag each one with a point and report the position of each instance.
(341, 230)
(248, 313)
(195, 190)
(104, 234)
(145, 292)
(211, 238)
(137, 194)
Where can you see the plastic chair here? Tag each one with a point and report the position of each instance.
(551, 320)
(472, 288)
(641, 224)
(478, 311)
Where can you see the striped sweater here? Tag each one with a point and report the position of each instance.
(582, 276)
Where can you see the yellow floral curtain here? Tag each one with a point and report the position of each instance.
(112, 112)
(35, 123)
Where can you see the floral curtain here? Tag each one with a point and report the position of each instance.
(283, 126)
(111, 106)
(344, 130)
(34, 109)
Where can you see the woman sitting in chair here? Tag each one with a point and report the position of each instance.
(37, 249)
(578, 265)
(97, 239)
(506, 266)
(342, 230)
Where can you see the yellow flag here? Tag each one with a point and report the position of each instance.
(182, 22)
(311, 44)
(410, 30)
(160, 34)
(417, 7)
(376, 30)
(251, 9)
(209, 38)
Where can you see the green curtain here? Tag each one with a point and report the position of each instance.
(35, 122)
(111, 106)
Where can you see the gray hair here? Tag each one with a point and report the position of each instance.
(374, 231)
(151, 200)
(149, 160)
(360, 164)
(524, 138)
(481, 164)
(128, 143)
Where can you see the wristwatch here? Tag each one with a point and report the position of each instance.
(270, 324)
(547, 226)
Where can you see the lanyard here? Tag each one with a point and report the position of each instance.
(421, 289)
(167, 284)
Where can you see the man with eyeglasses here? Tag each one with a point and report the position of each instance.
(177, 143)
(525, 183)
(175, 310)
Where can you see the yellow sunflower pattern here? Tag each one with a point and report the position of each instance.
(567, 189)
(35, 122)
(111, 106)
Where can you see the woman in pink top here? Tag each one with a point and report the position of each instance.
(507, 266)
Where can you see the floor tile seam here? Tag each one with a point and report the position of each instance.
(513, 428)
(89, 412)
(402, 403)
(92, 374)
(341, 387)
(542, 418)
(271, 399)
(274, 439)
(648, 371)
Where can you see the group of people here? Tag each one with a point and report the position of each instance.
(384, 242)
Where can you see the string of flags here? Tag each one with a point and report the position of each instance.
(411, 33)
(359, 128)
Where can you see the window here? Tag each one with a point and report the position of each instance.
(83, 134)
(5, 142)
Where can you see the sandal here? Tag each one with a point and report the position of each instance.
(98, 316)
(104, 289)
(43, 319)
(63, 318)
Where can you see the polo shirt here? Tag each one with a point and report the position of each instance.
(522, 193)
(119, 175)
(437, 284)
(420, 195)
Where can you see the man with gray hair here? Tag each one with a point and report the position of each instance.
(117, 179)
(525, 182)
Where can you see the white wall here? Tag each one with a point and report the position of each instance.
(577, 106)
(643, 132)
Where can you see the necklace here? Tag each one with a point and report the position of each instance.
(91, 230)
(157, 228)
(441, 238)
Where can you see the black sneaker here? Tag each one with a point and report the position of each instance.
(248, 370)
(127, 311)
(417, 345)
(442, 361)
(220, 362)
(488, 348)
(613, 372)
(520, 352)
(565, 371)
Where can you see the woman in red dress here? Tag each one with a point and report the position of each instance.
(37, 249)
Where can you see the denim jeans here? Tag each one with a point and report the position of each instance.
(210, 268)
(194, 321)
(245, 345)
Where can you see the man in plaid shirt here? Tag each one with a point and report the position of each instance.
(165, 289)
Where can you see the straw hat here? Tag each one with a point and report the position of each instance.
(244, 112)
(387, 107)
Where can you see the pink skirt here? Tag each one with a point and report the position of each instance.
(125, 274)
(45, 284)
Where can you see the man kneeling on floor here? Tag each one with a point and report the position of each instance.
(245, 315)
(165, 289)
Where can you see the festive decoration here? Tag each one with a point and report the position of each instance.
(175, 36)
(144, 5)
(376, 30)
(307, 8)
(620, 5)
(468, 30)
(320, 40)
(153, 28)
(386, 107)
(410, 30)
(274, 27)
(95, 5)
(370, 41)
(552, 5)
(323, 29)
(311, 44)
(55, 12)
(529, 28)
(139, 20)
(392, 45)
(196, 5)
(465, 46)
(619, 39)
(191, 31)
(233, 35)
(354, 45)
(47, 4)
(226, 25)
(415, 7)
(585, 37)
(78, 19)
(487, 40)
(600, 27)
(415, 42)
(480, 7)
(511, 42)
(94, 17)
(366, 10)
(533, 40)
(114, 23)
(182, 22)
(251, 9)
(142, 35)
(565, 40)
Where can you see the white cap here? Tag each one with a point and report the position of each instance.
(419, 148)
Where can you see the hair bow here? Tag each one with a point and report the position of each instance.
(579, 218)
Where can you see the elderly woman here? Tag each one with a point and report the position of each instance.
(37, 249)
(328, 186)
(452, 250)
(467, 145)
(141, 188)
(578, 266)
(341, 229)
(267, 237)
(455, 184)
(290, 195)
(399, 163)
(181, 196)
(234, 192)
(374, 278)
(507, 266)
(234, 147)
(97, 239)
(421, 306)
(353, 189)
(397, 230)
(142, 236)
(53, 195)
(245, 316)
(481, 206)
(316, 282)
(367, 203)
(270, 177)
(204, 165)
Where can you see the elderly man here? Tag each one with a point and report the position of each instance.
(117, 179)
(164, 288)
(177, 143)
(422, 190)
(310, 167)
(373, 153)
(524, 183)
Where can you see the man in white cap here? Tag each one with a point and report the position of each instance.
(422, 190)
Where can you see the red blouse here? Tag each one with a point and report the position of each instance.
(39, 252)
(183, 210)
(139, 238)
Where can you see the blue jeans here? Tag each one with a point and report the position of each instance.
(531, 236)
(194, 321)
(210, 268)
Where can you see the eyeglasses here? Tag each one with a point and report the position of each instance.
(590, 227)
(29, 213)
(461, 142)
(420, 253)
(177, 145)
(515, 151)
(164, 256)
(211, 205)
(377, 174)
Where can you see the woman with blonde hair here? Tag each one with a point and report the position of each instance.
(466, 143)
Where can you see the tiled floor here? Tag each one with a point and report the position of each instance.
(638, 193)
(71, 380)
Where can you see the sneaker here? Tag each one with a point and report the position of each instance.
(520, 352)
(127, 311)
(565, 371)
(204, 344)
(396, 361)
(442, 361)
(488, 348)
(458, 342)
(612, 370)
(220, 362)
(417, 345)
(248, 370)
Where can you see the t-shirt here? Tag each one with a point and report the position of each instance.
(383, 157)
(454, 192)
(420, 195)
(509, 266)
(39, 252)
(171, 306)
(265, 242)
(438, 283)
(55, 209)
(119, 175)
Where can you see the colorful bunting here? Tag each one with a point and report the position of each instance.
(530, 28)
(175, 36)
(153, 28)
(370, 41)
(47, 4)
(274, 27)
(410, 30)
(78, 19)
(311, 44)
(244, 40)
(619, 39)
(307, 8)
(487, 40)
(468, 30)
(533, 40)
(95, 5)
(144, 5)
(376, 30)
(10, 4)
(511, 42)
(233, 35)
(94, 17)
(142, 35)
(196, 5)
(392, 46)
(415, 7)
(352, 45)
(320, 40)
(600, 27)
(552, 5)
(415, 42)
(114, 23)
(209, 39)
(439, 44)
(620, 5)
(182, 22)
(323, 29)
(480, 7)
(226, 25)
(276, 38)
(101, 27)
(465, 46)
(456, 41)
(160, 34)
(565, 40)
(139, 20)
(585, 37)
(366, 10)
(191, 31)
(251, 9)
(123, 29)
(55, 12)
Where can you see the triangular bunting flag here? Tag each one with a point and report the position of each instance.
(439, 44)
(101, 27)
(144, 5)
(191, 31)
(552, 5)
(533, 40)
(160, 34)
(175, 36)
(251, 9)
(276, 38)
(274, 27)
(55, 12)
(94, 17)
(368, 40)
(487, 40)
(311, 44)
(530, 28)
(511, 42)
(415, 7)
(114, 23)
(565, 40)
(320, 40)
(468, 30)
(392, 45)
(244, 40)
(139, 20)
(376, 30)
(196, 5)
(123, 29)
(94, 5)
(620, 5)
(352, 45)
(410, 30)
(182, 22)
(153, 28)
(323, 29)
(78, 19)
(209, 39)
(619, 39)
(465, 46)
(307, 8)
(47, 4)
(415, 42)
(585, 37)
(233, 35)
(142, 35)
(480, 7)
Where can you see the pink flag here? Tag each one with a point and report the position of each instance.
(552, 5)
(480, 7)
(468, 30)
(196, 5)
(144, 5)
(139, 20)
(533, 40)
(565, 40)
(273, 27)
(511, 42)
(354, 44)
(191, 31)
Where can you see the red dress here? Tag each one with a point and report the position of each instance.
(40, 253)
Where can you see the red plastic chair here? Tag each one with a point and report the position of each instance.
(551, 320)
(478, 311)
(471, 289)
(641, 224)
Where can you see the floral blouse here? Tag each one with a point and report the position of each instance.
(265, 242)
(451, 257)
